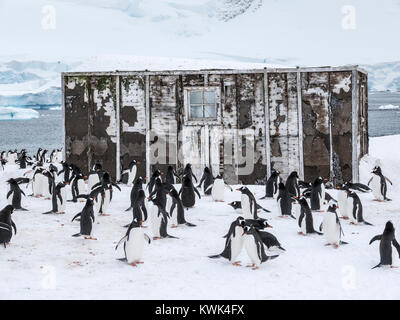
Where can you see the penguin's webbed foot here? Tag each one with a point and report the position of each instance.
(133, 264)
(251, 265)
(255, 268)
(237, 264)
(90, 238)
(156, 238)
(336, 246)
(394, 267)
(328, 244)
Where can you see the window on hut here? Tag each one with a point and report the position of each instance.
(203, 105)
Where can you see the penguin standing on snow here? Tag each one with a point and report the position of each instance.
(271, 187)
(218, 189)
(292, 184)
(129, 175)
(188, 172)
(139, 210)
(134, 241)
(379, 186)
(317, 194)
(67, 172)
(187, 193)
(332, 228)
(94, 176)
(237, 206)
(78, 186)
(342, 200)
(355, 209)
(234, 242)
(284, 202)
(385, 248)
(137, 186)
(86, 219)
(305, 222)
(156, 175)
(105, 189)
(159, 221)
(171, 175)
(207, 179)
(249, 204)
(177, 211)
(14, 195)
(6, 225)
(59, 199)
(255, 248)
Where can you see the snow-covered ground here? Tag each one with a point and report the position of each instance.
(45, 262)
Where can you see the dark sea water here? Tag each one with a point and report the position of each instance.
(46, 131)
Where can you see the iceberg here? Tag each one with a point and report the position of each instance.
(12, 113)
(389, 107)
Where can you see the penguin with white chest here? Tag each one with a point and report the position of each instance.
(332, 228)
(59, 199)
(379, 185)
(218, 189)
(248, 203)
(129, 175)
(255, 248)
(387, 240)
(234, 242)
(342, 201)
(134, 242)
(159, 221)
(177, 211)
(355, 208)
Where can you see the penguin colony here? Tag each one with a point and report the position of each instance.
(46, 176)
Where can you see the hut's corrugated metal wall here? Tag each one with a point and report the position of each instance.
(305, 115)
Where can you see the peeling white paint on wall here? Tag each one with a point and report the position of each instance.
(100, 100)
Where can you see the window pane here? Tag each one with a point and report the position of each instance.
(210, 111)
(196, 112)
(209, 97)
(195, 97)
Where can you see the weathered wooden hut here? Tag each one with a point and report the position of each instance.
(312, 120)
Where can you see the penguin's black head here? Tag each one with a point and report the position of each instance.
(156, 173)
(389, 227)
(243, 190)
(219, 177)
(98, 166)
(266, 224)
(8, 209)
(135, 224)
(139, 181)
(188, 166)
(332, 208)
(281, 186)
(294, 174)
(377, 171)
(235, 205)
(11, 181)
(174, 194)
(170, 168)
(206, 170)
(249, 230)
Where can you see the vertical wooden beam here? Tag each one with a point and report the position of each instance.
(118, 126)
(63, 116)
(148, 126)
(300, 121)
(354, 120)
(266, 119)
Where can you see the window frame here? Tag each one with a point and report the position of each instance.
(187, 106)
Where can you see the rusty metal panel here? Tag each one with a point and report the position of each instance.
(103, 123)
(316, 138)
(76, 113)
(363, 113)
(133, 123)
(341, 107)
(193, 80)
(284, 131)
(163, 110)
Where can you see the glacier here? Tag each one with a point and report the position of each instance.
(13, 113)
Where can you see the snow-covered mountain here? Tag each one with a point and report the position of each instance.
(384, 76)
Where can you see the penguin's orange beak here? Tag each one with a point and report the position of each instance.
(238, 189)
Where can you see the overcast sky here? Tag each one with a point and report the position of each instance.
(308, 32)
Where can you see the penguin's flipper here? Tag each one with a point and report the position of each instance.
(283, 249)
(130, 208)
(272, 257)
(378, 237)
(215, 257)
(171, 237)
(367, 223)
(343, 242)
(9, 193)
(48, 212)
(123, 259)
(78, 215)
(121, 241)
(378, 266)
(147, 238)
(396, 245)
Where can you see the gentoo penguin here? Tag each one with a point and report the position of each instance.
(269, 240)
(156, 175)
(177, 211)
(271, 186)
(379, 186)
(355, 208)
(59, 156)
(237, 206)
(43, 156)
(86, 219)
(160, 192)
(134, 241)
(12, 157)
(305, 222)
(218, 189)
(159, 221)
(249, 204)
(78, 186)
(385, 247)
(255, 248)
(39, 154)
(234, 242)
(292, 185)
(39, 182)
(317, 194)
(105, 189)
(188, 172)
(14, 195)
(170, 176)
(23, 161)
(139, 210)
(137, 186)
(187, 193)
(207, 179)
(358, 187)
(332, 228)
(94, 176)
(52, 158)
(284, 202)
(6, 225)
(67, 172)
(129, 174)
(342, 201)
(58, 199)
(48, 184)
